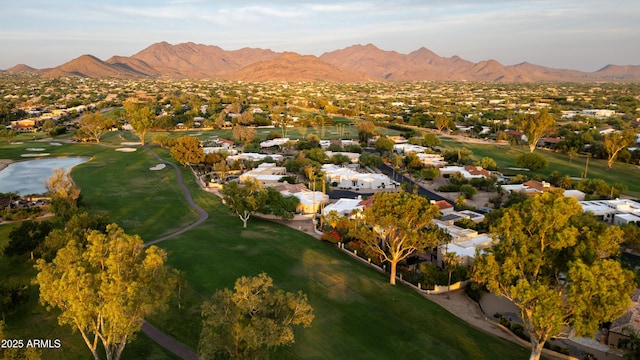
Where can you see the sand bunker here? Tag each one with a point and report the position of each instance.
(55, 144)
(127, 149)
(130, 143)
(35, 149)
(35, 155)
(158, 167)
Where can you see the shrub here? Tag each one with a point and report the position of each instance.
(474, 291)
(468, 191)
(518, 329)
(505, 322)
(332, 236)
(531, 161)
(58, 130)
(449, 188)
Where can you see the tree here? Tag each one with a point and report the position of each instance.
(451, 259)
(430, 139)
(222, 169)
(366, 130)
(571, 153)
(384, 144)
(370, 160)
(7, 135)
(536, 126)
(617, 141)
(76, 229)
(488, 163)
(242, 200)
(251, 320)
(531, 161)
(63, 192)
(187, 150)
(243, 134)
(27, 237)
(441, 122)
(141, 118)
(106, 288)
(468, 191)
(555, 268)
(94, 125)
(396, 226)
(273, 202)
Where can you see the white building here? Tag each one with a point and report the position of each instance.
(266, 173)
(274, 142)
(350, 179)
(310, 201)
(466, 171)
(598, 112)
(464, 242)
(252, 157)
(617, 212)
(344, 207)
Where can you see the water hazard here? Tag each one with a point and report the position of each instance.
(27, 177)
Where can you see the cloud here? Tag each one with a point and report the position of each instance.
(472, 28)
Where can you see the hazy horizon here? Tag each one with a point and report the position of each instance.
(572, 34)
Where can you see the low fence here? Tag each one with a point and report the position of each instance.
(438, 289)
(442, 289)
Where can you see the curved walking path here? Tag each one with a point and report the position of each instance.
(151, 331)
(202, 214)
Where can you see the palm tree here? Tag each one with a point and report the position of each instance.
(452, 260)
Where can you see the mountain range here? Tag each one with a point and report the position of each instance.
(357, 63)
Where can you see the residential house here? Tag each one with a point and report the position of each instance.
(253, 157)
(616, 212)
(349, 179)
(266, 173)
(464, 242)
(469, 171)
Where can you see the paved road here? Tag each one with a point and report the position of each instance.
(400, 178)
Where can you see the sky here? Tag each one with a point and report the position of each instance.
(569, 34)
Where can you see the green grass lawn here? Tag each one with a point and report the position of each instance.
(332, 132)
(358, 314)
(505, 156)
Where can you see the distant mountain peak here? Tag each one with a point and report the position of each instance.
(354, 63)
(20, 68)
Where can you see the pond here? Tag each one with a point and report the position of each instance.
(27, 177)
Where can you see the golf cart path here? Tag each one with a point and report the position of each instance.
(151, 331)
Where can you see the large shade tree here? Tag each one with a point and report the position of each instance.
(397, 225)
(187, 150)
(94, 125)
(105, 289)
(536, 126)
(251, 320)
(243, 199)
(555, 264)
(63, 192)
(141, 117)
(616, 142)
